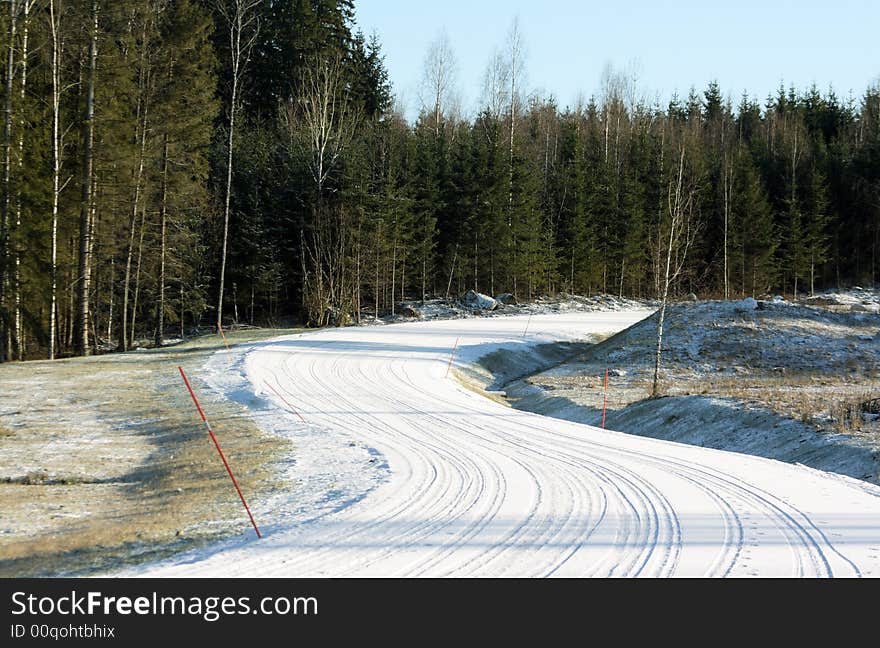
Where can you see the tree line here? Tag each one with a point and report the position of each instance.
(171, 165)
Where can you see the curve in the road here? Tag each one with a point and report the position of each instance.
(478, 489)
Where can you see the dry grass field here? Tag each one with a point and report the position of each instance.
(104, 461)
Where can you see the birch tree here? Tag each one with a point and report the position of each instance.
(795, 249)
(727, 175)
(81, 326)
(55, 13)
(22, 124)
(242, 26)
(143, 114)
(327, 122)
(438, 81)
(680, 233)
(495, 86)
(515, 54)
(5, 202)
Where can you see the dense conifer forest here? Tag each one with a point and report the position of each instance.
(170, 164)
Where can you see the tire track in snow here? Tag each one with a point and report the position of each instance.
(475, 488)
(412, 532)
(639, 490)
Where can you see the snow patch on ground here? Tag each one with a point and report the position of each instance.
(328, 469)
(771, 378)
(485, 306)
(857, 299)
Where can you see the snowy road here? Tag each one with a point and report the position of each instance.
(478, 489)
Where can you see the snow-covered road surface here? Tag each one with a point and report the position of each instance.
(475, 488)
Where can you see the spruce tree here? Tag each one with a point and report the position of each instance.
(185, 118)
(815, 226)
(754, 235)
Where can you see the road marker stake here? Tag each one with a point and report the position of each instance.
(605, 399)
(223, 335)
(219, 450)
(451, 356)
(527, 325)
(292, 408)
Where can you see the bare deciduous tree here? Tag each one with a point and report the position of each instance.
(681, 231)
(81, 328)
(14, 8)
(438, 81)
(515, 53)
(495, 86)
(516, 64)
(326, 121)
(727, 182)
(145, 87)
(16, 275)
(794, 137)
(163, 226)
(57, 160)
(243, 27)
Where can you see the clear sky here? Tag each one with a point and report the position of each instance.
(748, 45)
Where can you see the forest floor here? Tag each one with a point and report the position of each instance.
(798, 382)
(104, 459)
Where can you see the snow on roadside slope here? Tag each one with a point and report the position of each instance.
(477, 489)
(857, 299)
(775, 379)
(433, 309)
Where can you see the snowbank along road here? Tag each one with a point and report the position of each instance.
(474, 488)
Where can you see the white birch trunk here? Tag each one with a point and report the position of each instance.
(55, 27)
(81, 334)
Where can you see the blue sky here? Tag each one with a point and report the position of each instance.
(744, 44)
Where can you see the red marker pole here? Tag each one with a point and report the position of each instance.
(217, 445)
(292, 409)
(605, 399)
(451, 356)
(223, 335)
